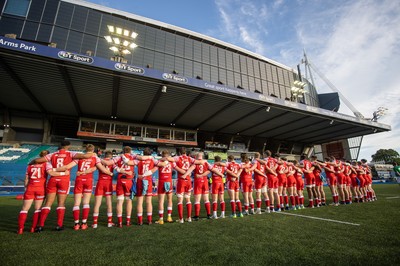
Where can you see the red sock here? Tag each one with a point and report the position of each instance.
(311, 203)
(252, 206)
(222, 205)
(43, 215)
(149, 218)
(208, 207)
(119, 219)
(280, 199)
(85, 213)
(22, 218)
(233, 206)
(128, 220)
(180, 211)
(296, 198)
(267, 203)
(239, 205)
(95, 218)
(246, 207)
(140, 218)
(169, 210)
(258, 203)
(76, 214)
(189, 209)
(161, 214)
(197, 209)
(109, 218)
(215, 205)
(292, 200)
(35, 218)
(286, 199)
(60, 216)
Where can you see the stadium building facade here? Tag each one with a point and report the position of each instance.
(177, 87)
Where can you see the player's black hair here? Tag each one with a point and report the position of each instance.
(65, 143)
(182, 151)
(217, 158)
(108, 154)
(277, 155)
(303, 156)
(147, 151)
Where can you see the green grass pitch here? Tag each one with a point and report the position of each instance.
(252, 240)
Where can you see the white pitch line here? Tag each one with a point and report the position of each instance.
(318, 218)
(398, 197)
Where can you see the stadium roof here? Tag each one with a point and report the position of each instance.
(42, 79)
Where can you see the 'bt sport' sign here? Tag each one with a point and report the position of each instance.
(129, 68)
(175, 78)
(75, 57)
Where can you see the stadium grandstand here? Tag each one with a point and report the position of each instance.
(91, 74)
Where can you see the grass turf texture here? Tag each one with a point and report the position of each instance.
(252, 240)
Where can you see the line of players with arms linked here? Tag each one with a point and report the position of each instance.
(277, 182)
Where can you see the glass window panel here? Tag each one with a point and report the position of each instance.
(159, 61)
(93, 22)
(179, 65)
(179, 135)
(103, 49)
(256, 68)
(197, 51)
(140, 30)
(274, 74)
(214, 74)
(236, 62)
(222, 75)
(135, 131)
(160, 40)
(74, 41)
(191, 136)
(252, 84)
(188, 48)
(148, 58)
(105, 20)
(79, 18)
(50, 11)
(169, 43)
(258, 84)
(205, 53)
(64, 15)
(206, 72)
(263, 71)
(165, 134)
(151, 132)
(103, 128)
(169, 63)
(213, 56)
(87, 126)
(250, 69)
(138, 56)
(44, 33)
(230, 80)
(264, 86)
(150, 42)
(11, 25)
(179, 45)
(30, 30)
(229, 60)
(121, 130)
(245, 82)
(59, 37)
(17, 7)
(89, 43)
(188, 68)
(197, 70)
(243, 64)
(238, 79)
(221, 58)
(36, 10)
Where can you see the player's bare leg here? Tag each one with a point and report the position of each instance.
(23, 214)
(139, 210)
(280, 194)
(61, 198)
(310, 196)
(251, 202)
(149, 209)
(222, 205)
(96, 210)
(214, 198)
(76, 210)
(231, 194)
(246, 202)
(85, 209)
(188, 207)
(207, 205)
(258, 201)
(169, 207)
(271, 199)
(45, 210)
(161, 198)
(264, 192)
(180, 207)
(120, 205)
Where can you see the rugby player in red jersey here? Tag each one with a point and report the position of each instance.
(319, 185)
(260, 183)
(272, 180)
(347, 172)
(217, 187)
(35, 184)
(354, 183)
(104, 187)
(342, 180)
(200, 189)
(184, 184)
(282, 170)
(246, 181)
(144, 185)
(331, 179)
(84, 186)
(299, 183)
(308, 169)
(232, 169)
(291, 186)
(165, 186)
(360, 177)
(368, 176)
(58, 185)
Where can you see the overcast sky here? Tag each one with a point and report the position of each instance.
(356, 44)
